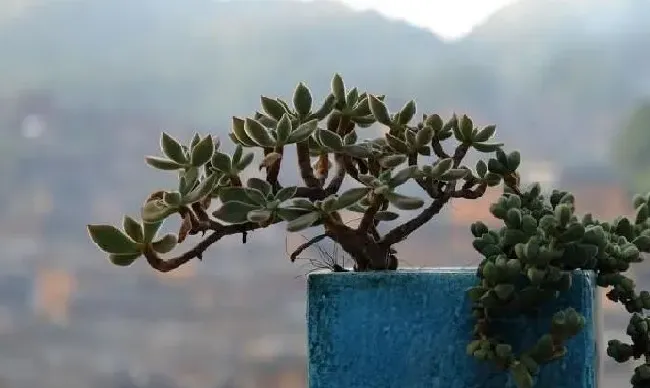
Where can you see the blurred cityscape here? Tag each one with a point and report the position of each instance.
(86, 86)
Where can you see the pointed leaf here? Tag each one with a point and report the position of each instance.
(302, 99)
(272, 107)
(256, 132)
(172, 198)
(259, 184)
(162, 163)
(284, 129)
(234, 212)
(403, 176)
(326, 108)
(124, 260)
(233, 193)
(237, 154)
(150, 230)
(203, 151)
(165, 244)
(290, 213)
(133, 229)
(403, 202)
(424, 137)
(397, 144)
(338, 89)
(256, 196)
(407, 112)
(487, 147)
(329, 140)
(303, 222)
(112, 240)
(350, 197)
(357, 151)
(221, 162)
(286, 193)
(441, 168)
(246, 160)
(379, 110)
(172, 149)
(484, 134)
(156, 210)
(259, 216)
(392, 161)
(454, 174)
(303, 132)
(238, 130)
(303, 203)
(203, 189)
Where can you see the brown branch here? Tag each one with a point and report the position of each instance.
(402, 231)
(335, 184)
(437, 148)
(304, 163)
(162, 265)
(469, 193)
(369, 216)
(273, 171)
(302, 247)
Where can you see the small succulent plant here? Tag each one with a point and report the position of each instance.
(212, 197)
(530, 261)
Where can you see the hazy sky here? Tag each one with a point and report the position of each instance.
(448, 18)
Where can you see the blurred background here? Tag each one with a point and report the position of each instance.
(86, 87)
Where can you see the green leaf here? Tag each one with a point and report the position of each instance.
(338, 89)
(303, 222)
(203, 151)
(133, 229)
(233, 193)
(237, 154)
(454, 174)
(283, 129)
(112, 240)
(234, 212)
(246, 160)
(290, 213)
(329, 140)
(239, 131)
(386, 216)
(397, 144)
(351, 197)
(424, 136)
(441, 167)
(303, 132)
(514, 159)
(259, 184)
(256, 196)
(403, 176)
(326, 108)
(259, 216)
(484, 134)
(256, 131)
(203, 189)
(303, 203)
(466, 126)
(286, 193)
(124, 260)
(379, 110)
(162, 163)
(642, 214)
(156, 210)
(150, 230)
(487, 147)
(407, 112)
(352, 98)
(165, 244)
(404, 202)
(302, 99)
(221, 162)
(273, 108)
(172, 149)
(392, 161)
(481, 169)
(520, 375)
(357, 150)
(172, 198)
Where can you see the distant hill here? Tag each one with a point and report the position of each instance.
(557, 77)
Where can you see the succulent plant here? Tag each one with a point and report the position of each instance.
(530, 261)
(211, 195)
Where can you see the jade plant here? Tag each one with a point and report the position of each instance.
(530, 261)
(334, 147)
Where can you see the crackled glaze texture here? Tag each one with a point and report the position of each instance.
(409, 330)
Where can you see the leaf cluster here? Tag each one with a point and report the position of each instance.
(530, 260)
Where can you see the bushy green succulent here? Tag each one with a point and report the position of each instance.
(329, 140)
(531, 259)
